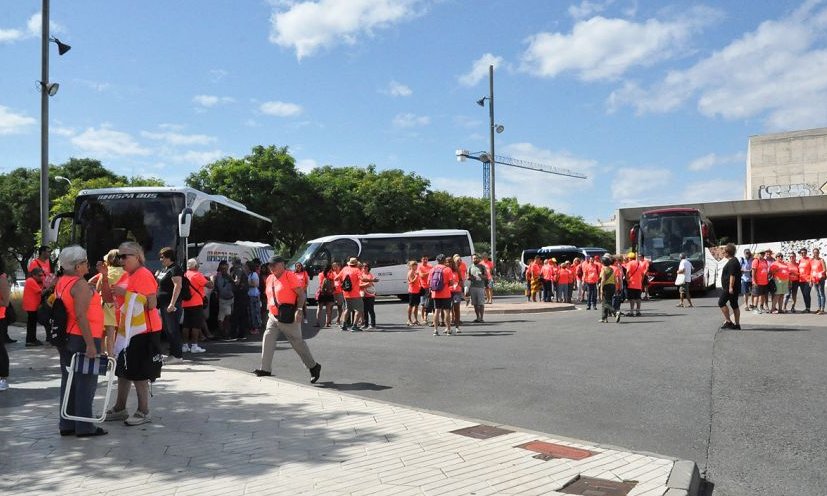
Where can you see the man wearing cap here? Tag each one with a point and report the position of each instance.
(285, 299)
(354, 306)
(634, 284)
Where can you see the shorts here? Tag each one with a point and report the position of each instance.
(746, 287)
(781, 287)
(684, 288)
(225, 308)
(425, 299)
(141, 360)
(632, 294)
(477, 296)
(760, 289)
(109, 319)
(413, 299)
(726, 297)
(325, 298)
(442, 303)
(355, 304)
(456, 298)
(339, 298)
(193, 318)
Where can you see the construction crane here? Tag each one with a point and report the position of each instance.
(485, 158)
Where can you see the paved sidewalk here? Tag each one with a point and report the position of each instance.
(515, 306)
(218, 431)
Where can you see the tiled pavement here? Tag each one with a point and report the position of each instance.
(217, 431)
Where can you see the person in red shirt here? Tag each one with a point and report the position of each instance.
(194, 307)
(780, 273)
(304, 278)
(533, 275)
(439, 283)
(285, 299)
(424, 270)
(644, 264)
(44, 263)
(338, 294)
(760, 282)
(591, 274)
(350, 278)
(32, 292)
(456, 293)
(324, 297)
(489, 289)
(792, 265)
(818, 274)
(414, 289)
(367, 286)
(564, 280)
(547, 273)
(634, 284)
(804, 270)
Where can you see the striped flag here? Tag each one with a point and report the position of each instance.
(91, 366)
(132, 320)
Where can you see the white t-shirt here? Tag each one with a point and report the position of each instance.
(686, 265)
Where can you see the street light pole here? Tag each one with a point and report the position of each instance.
(44, 125)
(492, 196)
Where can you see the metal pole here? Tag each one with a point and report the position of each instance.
(44, 125)
(493, 197)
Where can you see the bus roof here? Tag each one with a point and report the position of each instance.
(424, 232)
(197, 195)
(679, 210)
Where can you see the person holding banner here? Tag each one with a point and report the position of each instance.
(138, 342)
(84, 328)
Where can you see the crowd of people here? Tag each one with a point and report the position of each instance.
(770, 282)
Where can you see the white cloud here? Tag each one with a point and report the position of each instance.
(178, 139)
(308, 26)
(777, 72)
(397, 89)
(711, 160)
(9, 35)
(409, 120)
(306, 165)
(711, 191)
(197, 157)
(280, 109)
(211, 100)
(94, 85)
(638, 185)
(13, 123)
(479, 69)
(106, 142)
(587, 8)
(62, 131)
(601, 48)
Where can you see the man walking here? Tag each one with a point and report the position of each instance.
(684, 278)
(730, 286)
(634, 284)
(285, 300)
(224, 287)
(350, 278)
(478, 277)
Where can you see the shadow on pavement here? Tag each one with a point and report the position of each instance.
(752, 328)
(356, 386)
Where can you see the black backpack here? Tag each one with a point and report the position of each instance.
(347, 284)
(58, 322)
(327, 287)
(186, 289)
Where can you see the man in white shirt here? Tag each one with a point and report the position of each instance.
(683, 280)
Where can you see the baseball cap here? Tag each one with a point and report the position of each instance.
(631, 255)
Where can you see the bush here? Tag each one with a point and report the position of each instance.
(17, 303)
(504, 287)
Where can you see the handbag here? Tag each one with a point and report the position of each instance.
(287, 313)
(680, 280)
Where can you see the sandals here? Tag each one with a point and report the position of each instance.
(96, 432)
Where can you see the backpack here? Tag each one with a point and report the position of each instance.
(327, 286)
(59, 322)
(437, 282)
(186, 289)
(225, 287)
(347, 284)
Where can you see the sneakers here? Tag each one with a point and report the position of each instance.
(29, 344)
(602, 321)
(355, 329)
(436, 333)
(4, 384)
(263, 373)
(314, 373)
(736, 327)
(617, 316)
(113, 414)
(171, 360)
(728, 325)
(138, 418)
(194, 348)
(185, 348)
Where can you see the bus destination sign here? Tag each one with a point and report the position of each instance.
(127, 196)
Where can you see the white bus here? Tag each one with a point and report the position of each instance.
(193, 223)
(387, 254)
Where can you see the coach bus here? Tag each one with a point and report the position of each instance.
(195, 224)
(387, 254)
(662, 235)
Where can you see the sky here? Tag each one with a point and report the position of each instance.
(654, 101)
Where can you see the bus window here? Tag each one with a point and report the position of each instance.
(338, 250)
(382, 252)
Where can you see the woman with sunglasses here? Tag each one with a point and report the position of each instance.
(140, 361)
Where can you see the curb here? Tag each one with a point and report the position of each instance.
(684, 479)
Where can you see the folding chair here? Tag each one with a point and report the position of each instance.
(102, 365)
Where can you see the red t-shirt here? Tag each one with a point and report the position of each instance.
(781, 271)
(94, 313)
(424, 271)
(564, 276)
(793, 268)
(489, 264)
(31, 295)
(547, 272)
(144, 283)
(463, 271)
(416, 285)
(197, 284)
(804, 269)
(282, 290)
(591, 272)
(46, 267)
(447, 275)
(337, 283)
(634, 275)
(762, 268)
(534, 271)
(303, 278)
(355, 275)
(817, 265)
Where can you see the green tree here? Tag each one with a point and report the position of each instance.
(267, 182)
(20, 224)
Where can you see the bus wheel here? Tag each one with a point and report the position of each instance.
(402, 297)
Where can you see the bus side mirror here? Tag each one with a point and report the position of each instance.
(184, 223)
(54, 227)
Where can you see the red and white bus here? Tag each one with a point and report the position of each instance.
(662, 235)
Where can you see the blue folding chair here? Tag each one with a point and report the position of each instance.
(101, 365)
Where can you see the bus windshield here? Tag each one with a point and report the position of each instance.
(666, 236)
(304, 254)
(104, 221)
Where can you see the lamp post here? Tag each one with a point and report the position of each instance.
(492, 197)
(47, 90)
(61, 178)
